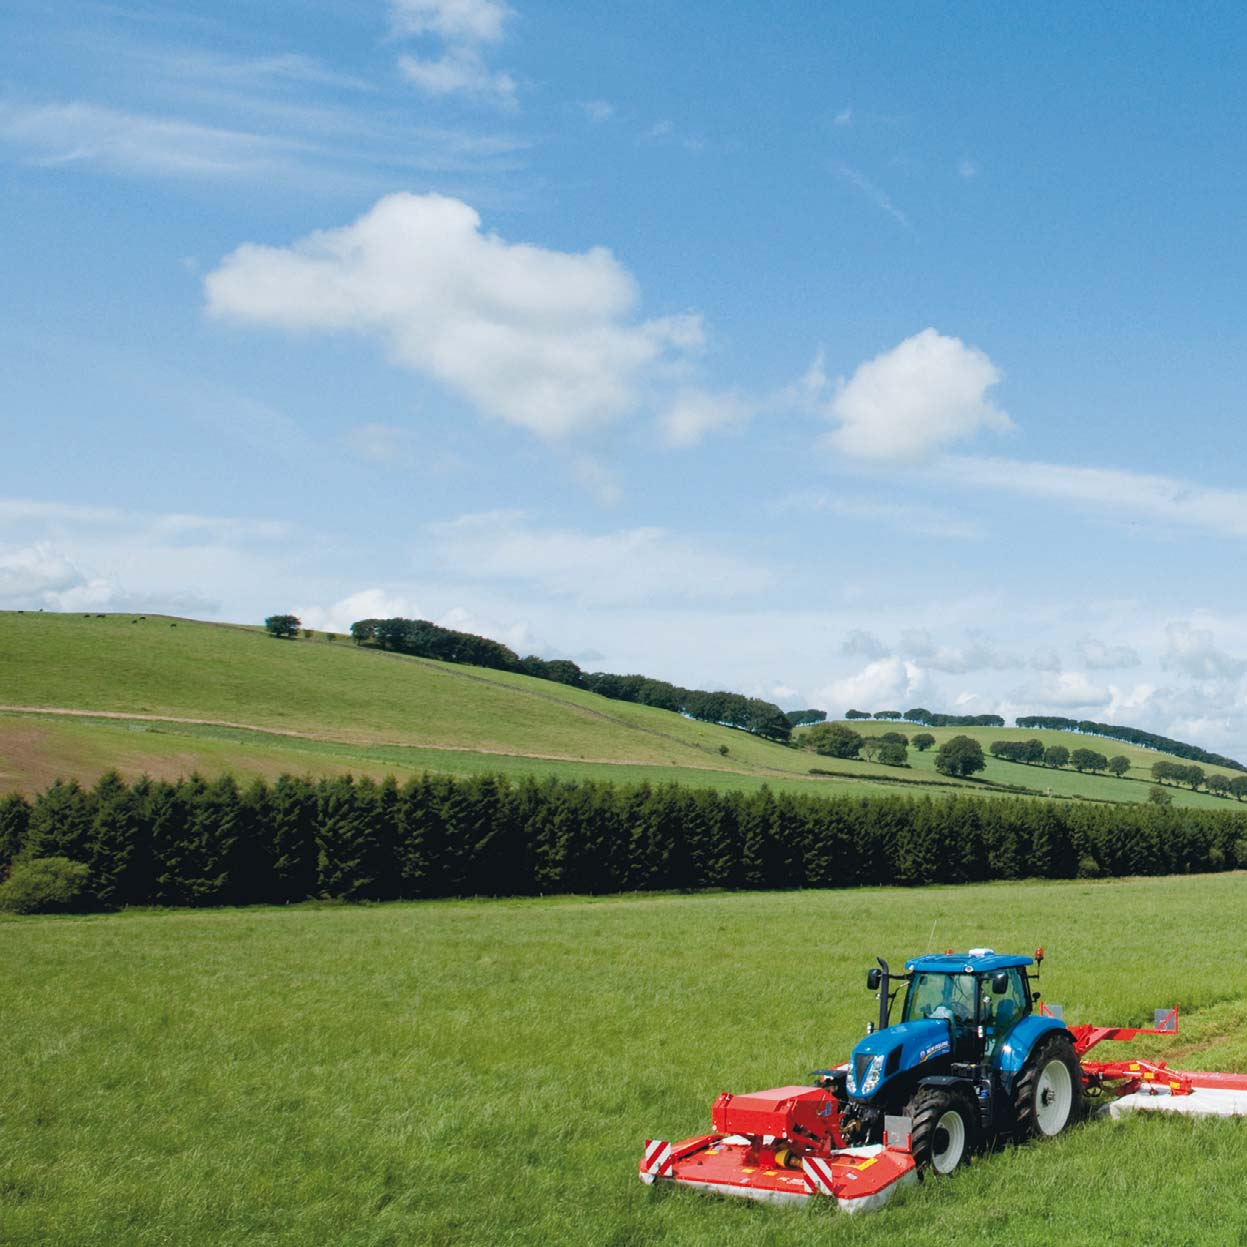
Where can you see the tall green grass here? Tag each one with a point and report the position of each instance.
(486, 1072)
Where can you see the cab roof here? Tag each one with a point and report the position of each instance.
(980, 961)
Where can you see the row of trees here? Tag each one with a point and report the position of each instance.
(1194, 777)
(200, 842)
(1130, 736)
(422, 639)
(929, 718)
(959, 756)
(800, 718)
(1057, 723)
(1033, 753)
(834, 740)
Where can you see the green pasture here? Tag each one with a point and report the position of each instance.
(325, 708)
(486, 1072)
(339, 691)
(37, 749)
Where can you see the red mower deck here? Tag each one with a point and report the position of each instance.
(783, 1146)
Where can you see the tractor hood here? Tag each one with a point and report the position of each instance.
(893, 1050)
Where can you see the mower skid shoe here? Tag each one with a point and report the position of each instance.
(859, 1179)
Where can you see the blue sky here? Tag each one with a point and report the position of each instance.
(843, 356)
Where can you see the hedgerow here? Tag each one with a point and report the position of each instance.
(201, 842)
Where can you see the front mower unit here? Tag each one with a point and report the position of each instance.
(784, 1146)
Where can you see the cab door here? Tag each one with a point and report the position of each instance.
(1002, 1013)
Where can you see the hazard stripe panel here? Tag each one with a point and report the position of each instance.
(818, 1175)
(657, 1157)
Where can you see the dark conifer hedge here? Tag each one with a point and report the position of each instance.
(201, 842)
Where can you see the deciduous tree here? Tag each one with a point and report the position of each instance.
(960, 756)
(286, 626)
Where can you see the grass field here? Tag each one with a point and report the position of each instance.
(320, 708)
(36, 749)
(486, 1072)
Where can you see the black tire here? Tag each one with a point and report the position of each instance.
(937, 1143)
(1050, 1078)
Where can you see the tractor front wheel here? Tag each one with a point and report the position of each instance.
(1048, 1094)
(943, 1130)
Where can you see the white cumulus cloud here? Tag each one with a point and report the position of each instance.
(543, 339)
(1100, 656)
(883, 684)
(365, 604)
(461, 28)
(1194, 652)
(914, 399)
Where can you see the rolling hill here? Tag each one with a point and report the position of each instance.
(162, 696)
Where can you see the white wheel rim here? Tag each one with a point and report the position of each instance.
(1054, 1095)
(950, 1131)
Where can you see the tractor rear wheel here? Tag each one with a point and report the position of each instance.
(944, 1129)
(1047, 1096)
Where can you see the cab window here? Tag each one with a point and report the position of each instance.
(940, 996)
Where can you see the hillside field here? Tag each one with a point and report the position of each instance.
(486, 1072)
(313, 707)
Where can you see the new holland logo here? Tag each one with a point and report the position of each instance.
(934, 1050)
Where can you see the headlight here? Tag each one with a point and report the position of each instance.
(873, 1075)
(874, 1072)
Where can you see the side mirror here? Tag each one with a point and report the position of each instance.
(1000, 982)
(873, 979)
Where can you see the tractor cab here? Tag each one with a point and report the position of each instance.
(981, 995)
(959, 1009)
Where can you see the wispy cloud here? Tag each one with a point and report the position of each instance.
(909, 518)
(597, 111)
(1136, 497)
(633, 566)
(315, 147)
(259, 72)
(461, 71)
(77, 133)
(879, 197)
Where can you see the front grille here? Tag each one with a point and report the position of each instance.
(861, 1063)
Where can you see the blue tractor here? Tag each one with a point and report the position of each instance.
(970, 1059)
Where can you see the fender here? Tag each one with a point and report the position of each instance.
(1011, 1055)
